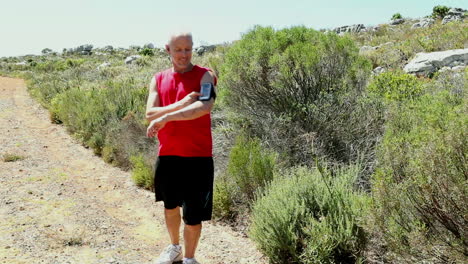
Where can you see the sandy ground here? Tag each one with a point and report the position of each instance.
(62, 204)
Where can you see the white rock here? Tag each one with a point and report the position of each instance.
(459, 68)
(454, 14)
(379, 70)
(131, 59)
(104, 65)
(149, 46)
(397, 21)
(427, 63)
(423, 23)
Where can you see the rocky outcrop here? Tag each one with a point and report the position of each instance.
(349, 29)
(425, 64)
(423, 23)
(454, 14)
(202, 49)
(108, 48)
(397, 21)
(84, 49)
(148, 46)
(365, 49)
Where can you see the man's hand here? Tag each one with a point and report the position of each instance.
(189, 99)
(156, 125)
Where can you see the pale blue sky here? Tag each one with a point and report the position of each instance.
(28, 26)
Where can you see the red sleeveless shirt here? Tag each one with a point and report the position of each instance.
(188, 138)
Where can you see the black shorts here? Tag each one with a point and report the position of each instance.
(186, 182)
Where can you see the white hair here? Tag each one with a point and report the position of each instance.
(178, 34)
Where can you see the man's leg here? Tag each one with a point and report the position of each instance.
(173, 219)
(191, 237)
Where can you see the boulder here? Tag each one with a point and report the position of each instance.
(424, 23)
(149, 46)
(108, 48)
(104, 65)
(365, 49)
(378, 70)
(425, 64)
(371, 29)
(454, 14)
(132, 59)
(397, 21)
(206, 48)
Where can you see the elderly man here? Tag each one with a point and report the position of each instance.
(180, 116)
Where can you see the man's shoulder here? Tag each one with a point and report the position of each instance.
(201, 68)
(163, 72)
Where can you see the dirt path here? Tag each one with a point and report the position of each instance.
(62, 204)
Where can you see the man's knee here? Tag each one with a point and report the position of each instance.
(172, 212)
(193, 227)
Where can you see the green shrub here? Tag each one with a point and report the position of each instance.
(109, 154)
(305, 216)
(420, 188)
(142, 173)
(87, 112)
(250, 166)
(439, 11)
(285, 71)
(223, 204)
(147, 52)
(396, 16)
(126, 137)
(308, 82)
(396, 86)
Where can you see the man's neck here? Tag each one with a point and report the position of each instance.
(182, 70)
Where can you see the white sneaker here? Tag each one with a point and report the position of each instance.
(171, 254)
(190, 261)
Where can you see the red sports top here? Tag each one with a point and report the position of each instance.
(189, 138)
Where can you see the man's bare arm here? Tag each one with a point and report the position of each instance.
(153, 110)
(195, 110)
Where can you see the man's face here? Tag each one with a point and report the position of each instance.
(180, 50)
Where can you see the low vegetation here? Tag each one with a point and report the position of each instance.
(322, 160)
(11, 157)
(310, 216)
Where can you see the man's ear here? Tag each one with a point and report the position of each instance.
(167, 48)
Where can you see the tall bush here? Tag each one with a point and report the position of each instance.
(307, 81)
(420, 188)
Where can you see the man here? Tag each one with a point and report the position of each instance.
(184, 168)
